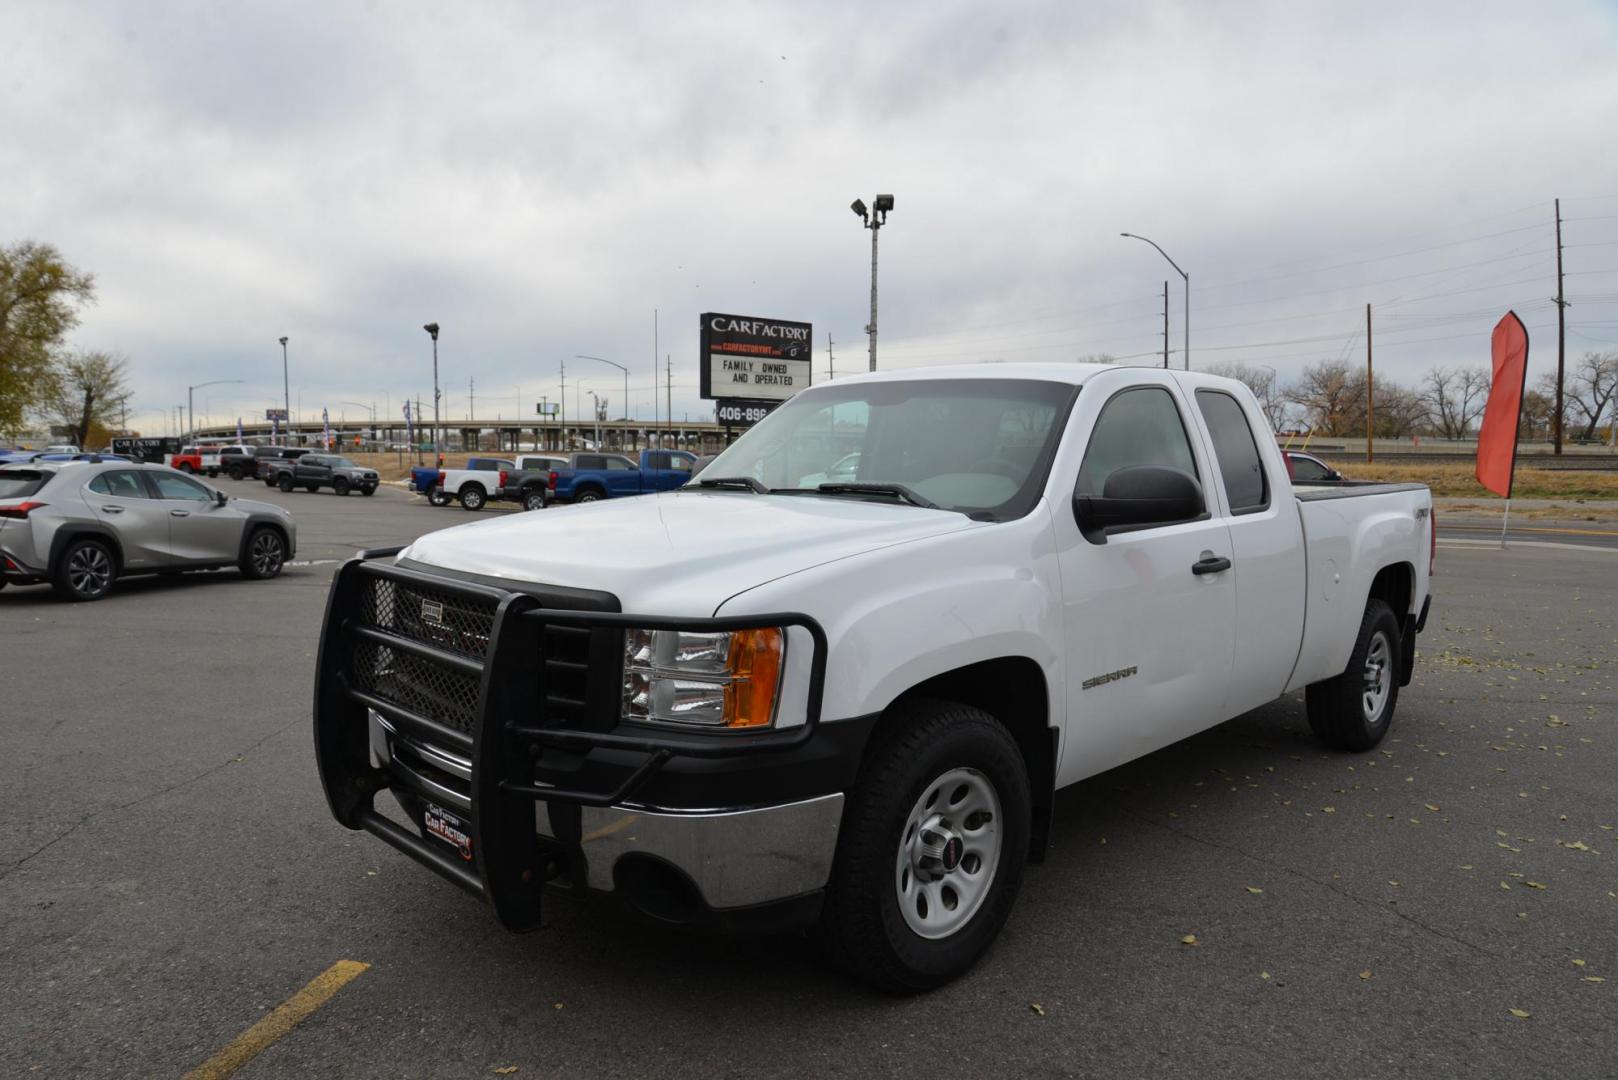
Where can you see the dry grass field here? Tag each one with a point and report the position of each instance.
(1458, 481)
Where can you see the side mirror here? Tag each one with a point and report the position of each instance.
(1138, 495)
(220, 498)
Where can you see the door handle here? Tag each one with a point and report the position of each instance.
(1210, 564)
(112, 509)
(186, 513)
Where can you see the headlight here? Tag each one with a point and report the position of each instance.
(714, 680)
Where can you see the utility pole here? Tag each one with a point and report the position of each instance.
(438, 446)
(1165, 326)
(1370, 389)
(1561, 331)
(561, 412)
(668, 383)
(654, 376)
(286, 393)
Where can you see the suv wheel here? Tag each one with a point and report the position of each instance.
(1352, 711)
(185, 466)
(367, 489)
(339, 486)
(931, 855)
(472, 497)
(588, 495)
(311, 488)
(285, 482)
(86, 571)
(265, 555)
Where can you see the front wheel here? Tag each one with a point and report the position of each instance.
(472, 497)
(185, 466)
(284, 483)
(1353, 711)
(339, 486)
(235, 472)
(86, 571)
(265, 554)
(931, 854)
(368, 489)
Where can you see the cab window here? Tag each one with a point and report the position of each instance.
(1236, 452)
(1141, 426)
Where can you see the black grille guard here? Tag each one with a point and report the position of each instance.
(510, 861)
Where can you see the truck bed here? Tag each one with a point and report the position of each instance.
(1348, 489)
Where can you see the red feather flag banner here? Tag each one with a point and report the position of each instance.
(1502, 416)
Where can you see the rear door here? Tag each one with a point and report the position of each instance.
(120, 499)
(200, 530)
(1148, 639)
(312, 469)
(1266, 536)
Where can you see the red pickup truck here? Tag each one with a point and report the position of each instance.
(197, 459)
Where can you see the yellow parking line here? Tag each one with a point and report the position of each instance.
(288, 1015)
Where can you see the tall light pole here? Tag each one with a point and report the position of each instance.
(874, 220)
(1187, 277)
(438, 448)
(286, 394)
(620, 367)
(190, 403)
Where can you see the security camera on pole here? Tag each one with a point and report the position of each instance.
(874, 220)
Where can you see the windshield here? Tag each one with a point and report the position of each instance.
(341, 463)
(977, 446)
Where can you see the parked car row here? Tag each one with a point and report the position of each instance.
(81, 526)
(537, 480)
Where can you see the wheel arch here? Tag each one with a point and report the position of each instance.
(1013, 690)
(254, 524)
(68, 534)
(1395, 585)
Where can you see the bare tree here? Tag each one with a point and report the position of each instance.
(1331, 394)
(1453, 398)
(1590, 389)
(91, 391)
(1264, 384)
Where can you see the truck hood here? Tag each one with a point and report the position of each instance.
(679, 553)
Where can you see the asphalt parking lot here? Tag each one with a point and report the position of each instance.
(169, 874)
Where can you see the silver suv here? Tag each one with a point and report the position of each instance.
(82, 525)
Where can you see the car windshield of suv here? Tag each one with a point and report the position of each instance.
(981, 447)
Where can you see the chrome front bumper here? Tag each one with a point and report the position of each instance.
(734, 857)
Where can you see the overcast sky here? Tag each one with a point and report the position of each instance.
(538, 178)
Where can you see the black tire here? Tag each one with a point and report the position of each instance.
(85, 571)
(284, 482)
(862, 922)
(590, 495)
(367, 489)
(473, 497)
(339, 486)
(1350, 711)
(264, 554)
(185, 466)
(213, 474)
(533, 500)
(235, 472)
(437, 496)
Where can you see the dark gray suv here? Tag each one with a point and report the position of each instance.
(82, 525)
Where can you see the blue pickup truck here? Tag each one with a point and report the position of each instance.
(611, 476)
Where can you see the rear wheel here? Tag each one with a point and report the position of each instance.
(472, 497)
(931, 854)
(1354, 710)
(285, 482)
(185, 467)
(588, 495)
(533, 500)
(339, 486)
(235, 472)
(265, 554)
(438, 496)
(86, 571)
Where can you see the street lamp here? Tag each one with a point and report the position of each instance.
(286, 395)
(438, 449)
(874, 220)
(1187, 277)
(620, 367)
(190, 403)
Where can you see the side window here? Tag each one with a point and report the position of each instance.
(621, 464)
(1137, 427)
(120, 485)
(678, 463)
(591, 461)
(1235, 450)
(657, 461)
(175, 485)
(1306, 470)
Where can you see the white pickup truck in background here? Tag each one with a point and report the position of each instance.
(755, 703)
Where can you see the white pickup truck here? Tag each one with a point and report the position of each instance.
(752, 703)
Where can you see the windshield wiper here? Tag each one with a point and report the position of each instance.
(898, 491)
(733, 483)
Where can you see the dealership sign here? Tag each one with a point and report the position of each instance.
(754, 359)
(276, 414)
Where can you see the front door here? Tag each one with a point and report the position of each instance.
(1148, 640)
(200, 530)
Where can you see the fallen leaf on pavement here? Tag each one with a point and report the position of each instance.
(1366, 974)
(1036, 1008)
(1189, 939)
(1254, 889)
(1521, 1014)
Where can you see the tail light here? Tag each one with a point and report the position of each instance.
(440, 478)
(20, 510)
(502, 478)
(1432, 542)
(553, 478)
